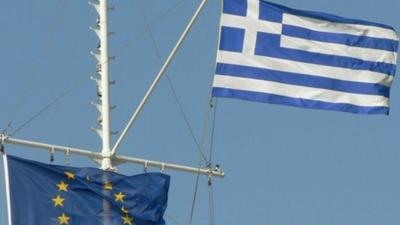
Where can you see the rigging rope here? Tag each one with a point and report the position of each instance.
(172, 219)
(196, 187)
(181, 109)
(44, 50)
(145, 30)
(210, 187)
(212, 107)
(204, 136)
(213, 129)
(69, 90)
(211, 204)
(44, 109)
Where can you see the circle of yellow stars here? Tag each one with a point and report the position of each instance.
(58, 201)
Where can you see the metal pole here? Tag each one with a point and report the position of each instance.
(50, 147)
(116, 159)
(158, 77)
(105, 84)
(7, 184)
(170, 166)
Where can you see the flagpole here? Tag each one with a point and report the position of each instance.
(7, 184)
(103, 82)
(105, 85)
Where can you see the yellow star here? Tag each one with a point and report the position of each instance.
(108, 186)
(119, 197)
(127, 219)
(124, 210)
(70, 175)
(64, 219)
(62, 186)
(58, 201)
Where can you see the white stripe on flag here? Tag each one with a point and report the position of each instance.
(246, 23)
(285, 65)
(367, 54)
(341, 28)
(293, 91)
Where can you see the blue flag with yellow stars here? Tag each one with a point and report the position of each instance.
(43, 194)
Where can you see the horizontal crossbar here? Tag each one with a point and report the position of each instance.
(118, 159)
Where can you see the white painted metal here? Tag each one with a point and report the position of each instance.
(158, 77)
(50, 147)
(116, 159)
(105, 86)
(107, 156)
(7, 184)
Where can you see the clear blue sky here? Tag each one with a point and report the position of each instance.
(284, 165)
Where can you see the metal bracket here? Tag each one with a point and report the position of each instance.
(209, 178)
(2, 144)
(67, 159)
(162, 167)
(95, 30)
(52, 154)
(145, 166)
(95, 4)
(96, 54)
(98, 131)
(3, 139)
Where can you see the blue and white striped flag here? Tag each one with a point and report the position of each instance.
(274, 54)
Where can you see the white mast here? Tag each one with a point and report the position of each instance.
(101, 54)
(105, 86)
(106, 156)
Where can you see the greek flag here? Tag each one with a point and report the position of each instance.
(274, 54)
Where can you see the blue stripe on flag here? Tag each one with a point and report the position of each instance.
(317, 15)
(269, 45)
(235, 41)
(303, 80)
(235, 7)
(305, 103)
(270, 13)
(345, 39)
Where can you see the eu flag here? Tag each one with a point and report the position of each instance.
(61, 195)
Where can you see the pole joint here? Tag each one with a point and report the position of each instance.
(52, 150)
(146, 165)
(67, 159)
(2, 148)
(3, 140)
